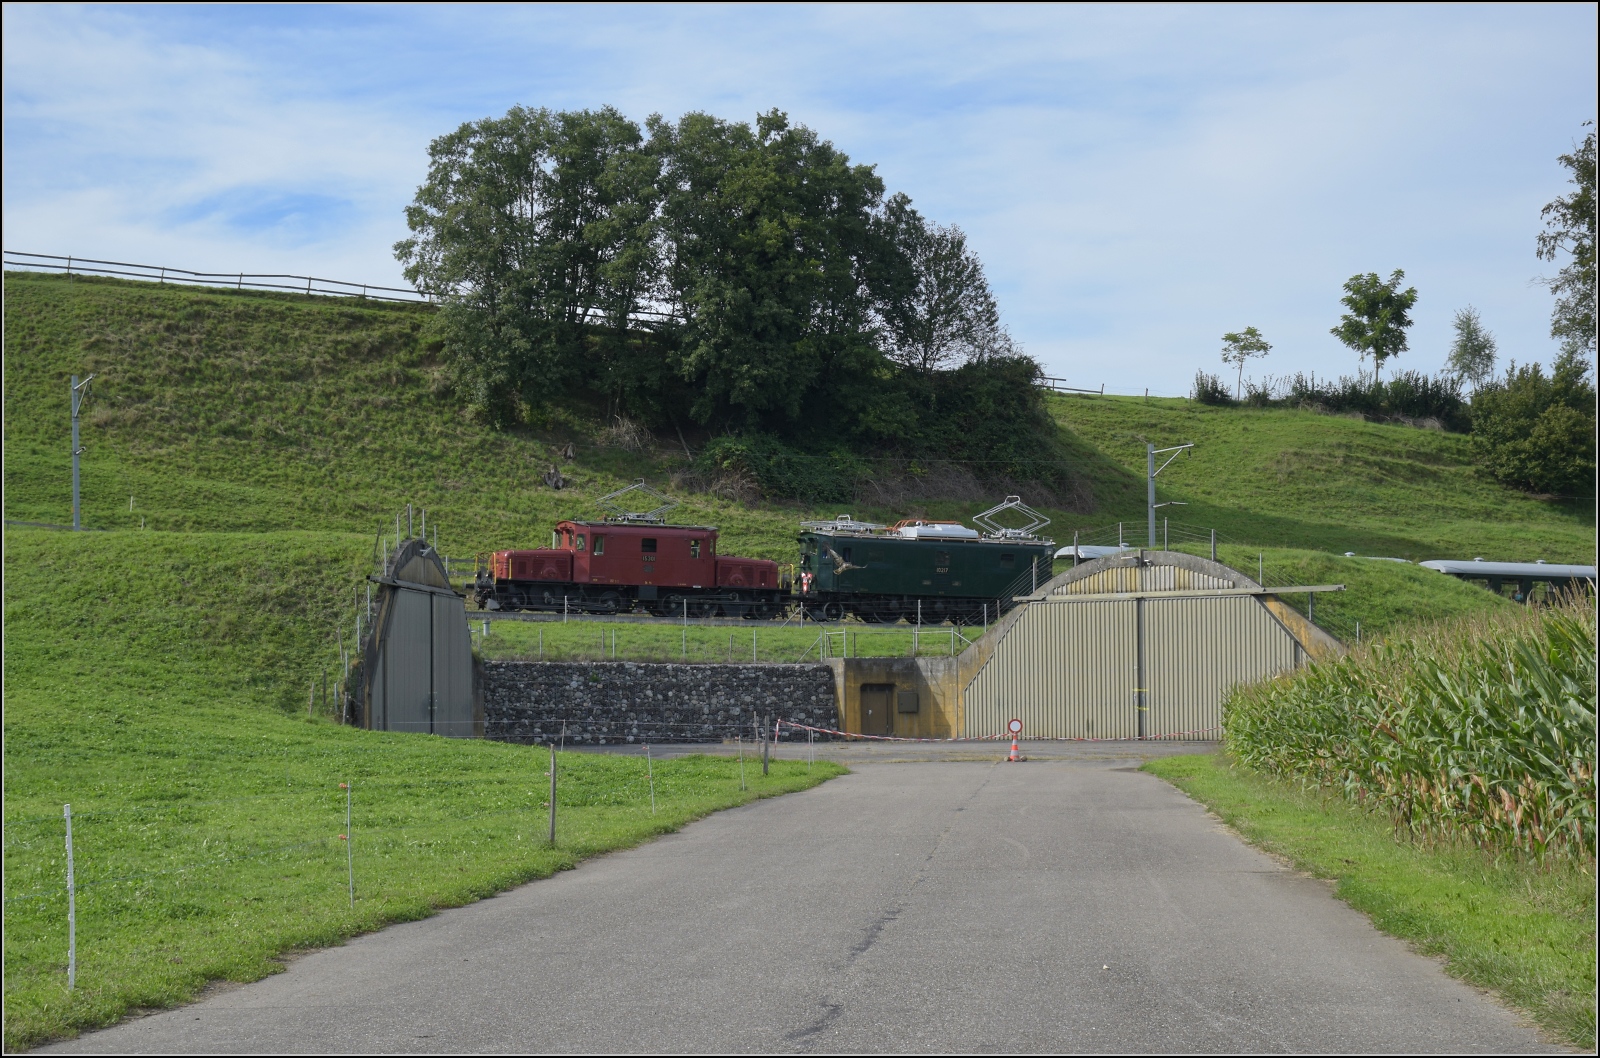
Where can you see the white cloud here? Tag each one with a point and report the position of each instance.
(1138, 179)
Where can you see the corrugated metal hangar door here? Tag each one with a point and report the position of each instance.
(1073, 662)
(1064, 670)
(419, 660)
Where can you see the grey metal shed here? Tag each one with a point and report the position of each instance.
(417, 662)
(1138, 645)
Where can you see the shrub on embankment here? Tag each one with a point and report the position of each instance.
(1480, 728)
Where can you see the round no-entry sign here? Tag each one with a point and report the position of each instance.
(1015, 727)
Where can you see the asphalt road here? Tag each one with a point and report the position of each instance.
(1057, 905)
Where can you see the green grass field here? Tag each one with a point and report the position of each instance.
(157, 683)
(1318, 482)
(1522, 930)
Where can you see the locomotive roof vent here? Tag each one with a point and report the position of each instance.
(925, 530)
(996, 531)
(620, 513)
(842, 524)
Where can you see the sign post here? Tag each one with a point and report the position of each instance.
(1015, 727)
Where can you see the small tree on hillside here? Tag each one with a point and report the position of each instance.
(1379, 314)
(1472, 353)
(1239, 346)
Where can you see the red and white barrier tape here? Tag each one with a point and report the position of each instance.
(985, 738)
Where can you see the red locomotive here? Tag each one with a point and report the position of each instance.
(630, 560)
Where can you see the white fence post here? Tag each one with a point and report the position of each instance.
(72, 909)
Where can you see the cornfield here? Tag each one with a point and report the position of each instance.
(1480, 729)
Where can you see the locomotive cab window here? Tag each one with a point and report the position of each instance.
(580, 541)
(844, 552)
(694, 549)
(599, 543)
(1008, 561)
(648, 545)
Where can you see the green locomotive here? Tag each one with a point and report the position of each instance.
(921, 570)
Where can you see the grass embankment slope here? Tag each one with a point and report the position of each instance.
(246, 411)
(1328, 483)
(156, 682)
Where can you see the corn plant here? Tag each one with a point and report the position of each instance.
(1480, 729)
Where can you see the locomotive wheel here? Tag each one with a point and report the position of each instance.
(879, 617)
(609, 602)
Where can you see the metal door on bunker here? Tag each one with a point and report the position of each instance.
(877, 708)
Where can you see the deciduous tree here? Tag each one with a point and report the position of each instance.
(1569, 230)
(942, 313)
(1379, 313)
(1240, 346)
(1473, 351)
(536, 232)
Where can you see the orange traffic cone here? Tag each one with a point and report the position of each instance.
(1015, 756)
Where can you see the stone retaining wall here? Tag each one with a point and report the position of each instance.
(610, 702)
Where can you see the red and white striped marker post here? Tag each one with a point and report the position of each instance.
(1015, 727)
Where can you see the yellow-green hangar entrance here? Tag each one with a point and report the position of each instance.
(1137, 645)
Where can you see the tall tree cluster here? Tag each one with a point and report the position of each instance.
(746, 276)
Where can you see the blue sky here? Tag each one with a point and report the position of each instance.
(1137, 179)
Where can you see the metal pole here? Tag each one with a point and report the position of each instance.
(1150, 488)
(75, 524)
(1075, 549)
(1142, 691)
(408, 522)
(72, 909)
(650, 769)
(1213, 545)
(349, 856)
(1261, 569)
(78, 393)
(1166, 539)
(552, 793)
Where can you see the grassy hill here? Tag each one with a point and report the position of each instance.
(157, 677)
(223, 411)
(1320, 482)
